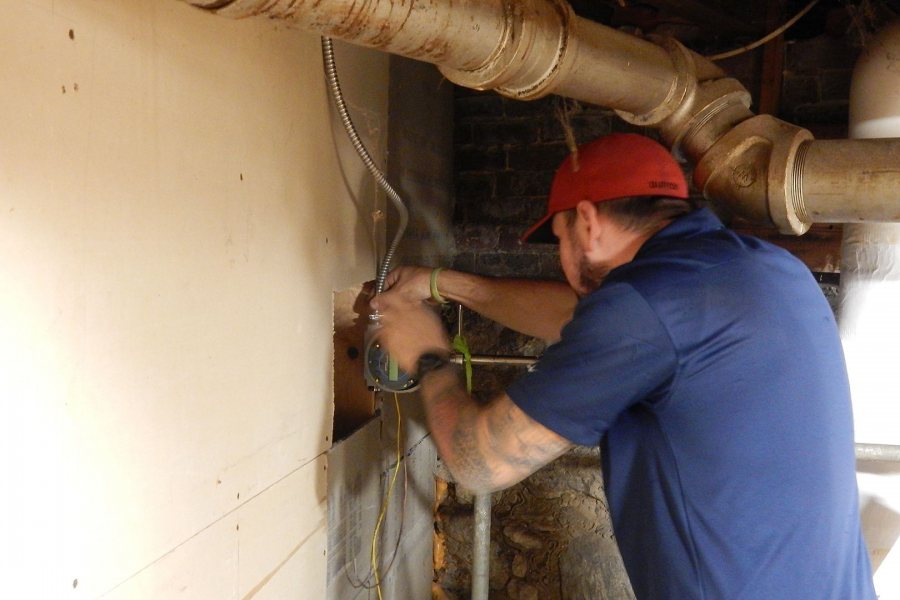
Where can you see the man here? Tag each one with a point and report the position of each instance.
(707, 364)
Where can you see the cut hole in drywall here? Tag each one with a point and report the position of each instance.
(354, 403)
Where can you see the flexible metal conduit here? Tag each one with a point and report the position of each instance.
(334, 87)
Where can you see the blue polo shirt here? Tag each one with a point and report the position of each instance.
(711, 371)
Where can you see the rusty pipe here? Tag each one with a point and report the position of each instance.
(523, 49)
(463, 33)
(526, 49)
(759, 167)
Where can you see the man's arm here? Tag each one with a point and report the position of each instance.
(488, 447)
(533, 307)
(485, 447)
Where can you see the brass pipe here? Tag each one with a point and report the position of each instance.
(524, 49)
(850, 181)
(764, 169)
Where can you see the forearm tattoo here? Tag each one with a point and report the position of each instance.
(486, 447)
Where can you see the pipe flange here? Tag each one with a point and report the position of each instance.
(785, 196)
(518, 54)
(683, 87)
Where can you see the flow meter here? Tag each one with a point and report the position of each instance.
(381, 371)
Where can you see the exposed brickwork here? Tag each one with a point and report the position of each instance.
(816, 88)
(506, 152)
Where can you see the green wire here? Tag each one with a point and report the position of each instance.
(462, 346)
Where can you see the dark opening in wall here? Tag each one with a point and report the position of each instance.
(354, 403)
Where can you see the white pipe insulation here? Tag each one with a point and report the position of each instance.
(870, 315)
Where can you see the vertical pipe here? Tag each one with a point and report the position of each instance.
(869, 320)
(870, 254)
(481, 559)
(481, 542)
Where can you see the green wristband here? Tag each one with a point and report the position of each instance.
(435, 294)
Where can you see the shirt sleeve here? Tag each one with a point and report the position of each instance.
(614, 353)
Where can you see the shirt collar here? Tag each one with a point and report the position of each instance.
(694, 223)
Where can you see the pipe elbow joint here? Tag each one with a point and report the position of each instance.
(752, 170)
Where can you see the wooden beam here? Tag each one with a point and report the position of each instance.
(772, 62)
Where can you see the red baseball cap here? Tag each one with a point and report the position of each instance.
(621, 165)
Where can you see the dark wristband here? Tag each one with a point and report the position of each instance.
(430, 361)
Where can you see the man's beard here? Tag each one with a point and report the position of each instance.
(591, 276)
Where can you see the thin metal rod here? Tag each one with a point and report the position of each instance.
(879, 452)
(482, 359)
(481, 559)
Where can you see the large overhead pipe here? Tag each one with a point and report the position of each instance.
(523, 49)
(759, 167)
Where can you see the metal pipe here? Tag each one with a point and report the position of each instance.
(850, 181)
(878, 452)
(461, 34)
(869, 321)
(524, 49)
(481, 541)
(483, 359)
(481, 559)
(759, 166)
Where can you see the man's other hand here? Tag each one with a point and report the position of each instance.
(410, 325)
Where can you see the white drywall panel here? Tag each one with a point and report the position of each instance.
(247, 553)
(173, 220)
(410, 519)
(359, 471)
(355, 488)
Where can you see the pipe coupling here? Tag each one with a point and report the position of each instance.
(533, 47)
(716, 106)
(681, 91)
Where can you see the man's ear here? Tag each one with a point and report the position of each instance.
(591, 223)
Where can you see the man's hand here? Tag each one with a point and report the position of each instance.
(410, 283)
(410, 326)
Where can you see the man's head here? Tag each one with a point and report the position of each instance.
(602, 207)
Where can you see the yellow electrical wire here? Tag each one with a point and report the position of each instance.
(386, 501)
(462, 346)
